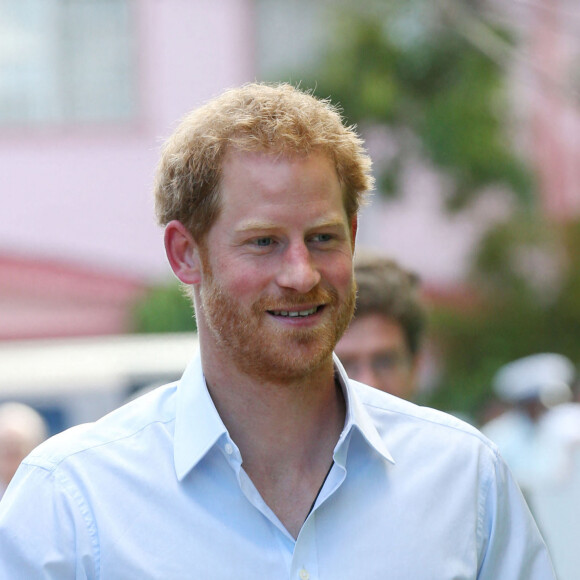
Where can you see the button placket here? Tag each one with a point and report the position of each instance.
(305, 556)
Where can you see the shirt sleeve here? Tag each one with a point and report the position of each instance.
(512, 544)
(45, 530)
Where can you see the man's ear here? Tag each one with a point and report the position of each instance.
(353, 229)
(182, 253)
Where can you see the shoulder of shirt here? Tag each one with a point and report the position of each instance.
(386, 407)
(155, 407)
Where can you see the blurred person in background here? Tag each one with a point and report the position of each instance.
(561, 426)
(264, 460)
(539, 437)
(21, 430)
(529, 387)
(382, 343)
(555, 501)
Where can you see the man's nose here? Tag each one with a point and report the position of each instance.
(298, 270)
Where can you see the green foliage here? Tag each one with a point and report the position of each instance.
(164, 308)
(404, 65)
(526, 279)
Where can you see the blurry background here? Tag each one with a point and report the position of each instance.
(471, 112)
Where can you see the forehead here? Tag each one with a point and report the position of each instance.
(262, 163)
(262, 180)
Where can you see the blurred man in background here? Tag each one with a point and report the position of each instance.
(382, 344)
(539, 437)
(555, 502)
(529, 386)
(21, 430)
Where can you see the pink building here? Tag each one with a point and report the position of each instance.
(554, 57)
(87, 93)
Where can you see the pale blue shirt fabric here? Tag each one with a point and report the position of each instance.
(156, 490)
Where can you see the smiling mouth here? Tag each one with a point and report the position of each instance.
(296, 313)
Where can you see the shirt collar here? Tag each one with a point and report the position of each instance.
(198, 425)
(357, 419)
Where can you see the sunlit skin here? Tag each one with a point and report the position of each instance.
(282, 244)
(373, 351)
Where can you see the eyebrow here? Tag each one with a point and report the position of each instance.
(257, 225)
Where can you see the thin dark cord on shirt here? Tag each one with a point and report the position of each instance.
(320, 489)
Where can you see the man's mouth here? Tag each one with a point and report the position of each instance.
(296, 313)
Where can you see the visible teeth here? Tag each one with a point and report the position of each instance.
(295, 313)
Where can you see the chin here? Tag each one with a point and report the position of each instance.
(288, 365)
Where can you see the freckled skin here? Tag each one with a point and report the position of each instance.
(281, 242)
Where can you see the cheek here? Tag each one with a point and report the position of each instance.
(340, 275)
(242, 280)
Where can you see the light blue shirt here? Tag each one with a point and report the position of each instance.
(156, 490)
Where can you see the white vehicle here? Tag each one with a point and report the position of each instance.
(73, 381)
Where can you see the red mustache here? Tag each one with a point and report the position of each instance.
(315, 297)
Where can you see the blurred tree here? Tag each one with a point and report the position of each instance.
(527, 279)
(408, 66)
(164, 308)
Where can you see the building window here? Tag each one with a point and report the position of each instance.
(66, 61)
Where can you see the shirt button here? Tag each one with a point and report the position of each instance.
(304, 575)
(229, 448)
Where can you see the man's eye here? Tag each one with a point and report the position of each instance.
(388, 362)
(322, 237)
(264, 242)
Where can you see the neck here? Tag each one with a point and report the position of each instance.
(286, 433)
(277, 421)
(253, 405)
